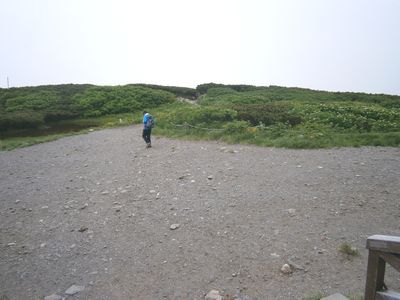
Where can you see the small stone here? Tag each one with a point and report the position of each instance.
(11, 244)
(286, 269)
(53, 297)
(152, 191)
(213, 295)
(83, 229)
(292, 212)
(17, 201)
(118, 208)
(42, 245)
(210, 177)
(72, 290)
(85, 205)
(174, 226)
(105, 193)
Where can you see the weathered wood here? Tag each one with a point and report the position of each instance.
(392, 259)
(387, 295)
(375, 275)
(384, 243)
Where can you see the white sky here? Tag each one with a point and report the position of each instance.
(337, 45)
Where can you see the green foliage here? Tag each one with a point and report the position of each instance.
(236, 127)
(98, 101)
(176, 90)
(20, 119)
(351, 116)
(317, 296)
(29, 107)
(39, 100)
(219, 91)
(200, 115)
(268, 114)
(254, 95)
(346, 249)
(205, 88)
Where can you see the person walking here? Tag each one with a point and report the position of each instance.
(148, 124)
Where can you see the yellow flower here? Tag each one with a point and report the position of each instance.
(252, 129)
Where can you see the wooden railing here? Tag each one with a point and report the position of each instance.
(382, 249)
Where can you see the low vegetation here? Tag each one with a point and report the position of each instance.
(348, 250)
(265, 116)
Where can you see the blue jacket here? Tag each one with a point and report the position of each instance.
(146, 117)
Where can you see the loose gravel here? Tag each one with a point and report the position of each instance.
(102, 213)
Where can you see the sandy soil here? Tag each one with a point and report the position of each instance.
(96, 210)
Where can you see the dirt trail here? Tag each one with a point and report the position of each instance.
(95, 210)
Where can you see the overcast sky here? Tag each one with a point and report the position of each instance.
(336, 45)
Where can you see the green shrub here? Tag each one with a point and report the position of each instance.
(268, 114)
(347, 249)
(201, 115)
(39, 100)
(21, 119)
(236, 127)
(176, 90)
(98, 101)
(355, 116)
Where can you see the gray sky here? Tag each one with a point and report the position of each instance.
(336, 45)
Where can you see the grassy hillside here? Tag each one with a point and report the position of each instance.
(32, 107)
(270, 116)
(286, 117)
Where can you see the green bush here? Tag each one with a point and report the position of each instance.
(20, 119)
(201, 115)
(236, 127)
(96, 101)
(268, 114)
(353, 116)
(39, 100)
(176, 90)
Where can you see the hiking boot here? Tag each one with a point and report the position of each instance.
(148, 145)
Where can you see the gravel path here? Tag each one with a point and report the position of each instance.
(96, 211)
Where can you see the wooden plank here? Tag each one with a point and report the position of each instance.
(375, 274)
(384, 243)
(387, 295)
(392, 259)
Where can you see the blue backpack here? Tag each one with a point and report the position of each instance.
(150, 122)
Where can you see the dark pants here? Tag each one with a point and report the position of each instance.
(146, 135)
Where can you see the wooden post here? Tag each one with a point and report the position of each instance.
(375, 275)
(382, 249)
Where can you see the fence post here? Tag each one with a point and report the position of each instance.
(375, 275)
